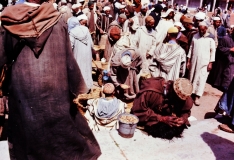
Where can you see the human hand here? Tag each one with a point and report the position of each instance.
(188, 65)
(180, 121)
(209, 67)
(232, 49)
(170, 120)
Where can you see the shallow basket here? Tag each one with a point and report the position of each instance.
(127, 130)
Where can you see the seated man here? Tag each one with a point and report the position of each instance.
(124, 70)
(163, 107)
(102, 113)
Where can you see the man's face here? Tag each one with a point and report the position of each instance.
(107, 12)
(115, 36)
(217, 23)
(171, 15)
(83, 22)
(122, 10)
(202, 30)
(143, 11)
(121, 20)
(150, 25)
(91, 6)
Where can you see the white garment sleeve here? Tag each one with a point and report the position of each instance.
(153, 47)
(190, 50)
(212, 50)
(72, 40)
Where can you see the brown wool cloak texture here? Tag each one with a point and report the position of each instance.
(43, 122)
(27, 21)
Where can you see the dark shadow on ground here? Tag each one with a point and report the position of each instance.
(223, 149)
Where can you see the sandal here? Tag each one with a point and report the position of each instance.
(226, 128)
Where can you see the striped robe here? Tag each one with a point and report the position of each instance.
(169, 61)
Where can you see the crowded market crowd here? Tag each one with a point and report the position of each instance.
(158, 59)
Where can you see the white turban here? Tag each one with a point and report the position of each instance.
(126, 61)
(122, 6)
(63, 1)
(167, 13)
(203, 24)
(179, 24)
(216, 19)
(82, 17)
(75, 6)
(200, 16)
(106, 8)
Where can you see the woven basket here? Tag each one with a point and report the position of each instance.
(82, 99)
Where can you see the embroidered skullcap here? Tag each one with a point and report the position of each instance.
(173, 30)
(82, 17)
(108, 88)
(126, 61)
(106, 8)
(75, 6)
(167, 13)
(123, 16)
(179, 24)
(200, 16)
(122, 6)
(216, 19)
(203, 24)
(183, 88)
(148, 19)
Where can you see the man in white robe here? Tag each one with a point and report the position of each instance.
(169, 58)
(145, 41)
(200, 59)
(82, 43)
(164, 24)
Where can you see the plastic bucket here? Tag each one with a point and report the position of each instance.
(127, 129)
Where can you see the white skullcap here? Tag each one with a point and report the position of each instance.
(63, 1)
(1, 7)
(144, 6)
(232, 26)
(126, 61)
(200, 16)
(106, 8)
(75, 6)
(122, 6)
(82, 17)
(179, 24)
(216, 19)
(203, 24)
(167, 13)
(81, 0)
(160, 0)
